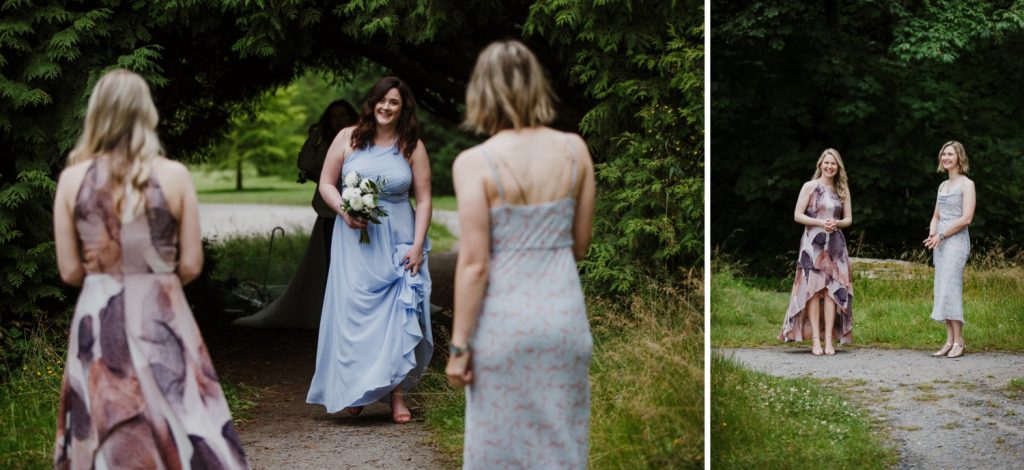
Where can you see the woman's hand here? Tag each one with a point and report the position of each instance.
(353, 221)
(413, 259)
(932, 241)
(458, 370)
(830, 225)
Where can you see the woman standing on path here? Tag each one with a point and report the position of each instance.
(823, 267)
(139, 390)
(301, 303)
(951, 242)
(375, 338)
(520, 338)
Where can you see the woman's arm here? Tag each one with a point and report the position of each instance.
(65, 236)
(329, 176)
(583, 223)
(847, 212)
(424, 206)
(471, 270)
(801, 206)
(190, 238)
(933, 227)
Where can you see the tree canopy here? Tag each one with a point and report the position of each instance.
(628, 74)
(884, 82)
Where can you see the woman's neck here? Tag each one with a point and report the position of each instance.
(384, 136)
(954, 175)
(826, 180)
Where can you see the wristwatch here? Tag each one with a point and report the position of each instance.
(456, 351)
(942, 236)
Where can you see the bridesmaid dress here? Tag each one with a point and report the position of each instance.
(139, 390)
(529, 403)
(950, 257)
(375, 322)
(823, 266)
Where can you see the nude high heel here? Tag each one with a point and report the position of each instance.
(957, 351)
(945, 349)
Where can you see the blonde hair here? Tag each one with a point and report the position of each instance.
(839, 183)
(507, 89)
(961, 157)
(120, 123)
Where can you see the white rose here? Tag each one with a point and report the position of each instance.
(365, 185)
(356, 204)
(368, 201)
(349, 194)
(352, 179)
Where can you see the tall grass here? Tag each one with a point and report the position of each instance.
(761, 421)
(892, 304)
(28, 406)
(647, 385)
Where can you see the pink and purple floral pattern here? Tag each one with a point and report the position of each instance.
(823, 266)
(139, 390)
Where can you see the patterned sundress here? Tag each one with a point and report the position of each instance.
(529, 403)
(822, 266)
(139, 390)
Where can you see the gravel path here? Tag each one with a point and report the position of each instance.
(943, 413)
(286, 432)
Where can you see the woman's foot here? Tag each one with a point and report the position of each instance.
(399, 412)
(816, 347)
(829, 349)
(957, 350)
(354, 410)
(945, 349)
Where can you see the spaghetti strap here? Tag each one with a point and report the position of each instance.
(494, 172)
(572, 155)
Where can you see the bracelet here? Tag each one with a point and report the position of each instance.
(942, 236)
(456, 351)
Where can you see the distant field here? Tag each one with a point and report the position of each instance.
(218, 187)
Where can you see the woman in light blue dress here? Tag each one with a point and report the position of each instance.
(375, 338)
(948, 237)
(521, 341)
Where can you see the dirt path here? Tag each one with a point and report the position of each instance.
(943, 413)
(285, 432)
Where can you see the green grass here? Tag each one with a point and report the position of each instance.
(28, 407)
(761, 421)
(892, 304)
(647, 384)
(218, 187)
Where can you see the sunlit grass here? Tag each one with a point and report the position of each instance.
(218, 187)
(762, 421)
(892, 304)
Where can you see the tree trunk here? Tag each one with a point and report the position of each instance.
(238, 175)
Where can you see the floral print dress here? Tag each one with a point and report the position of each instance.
(139, 390)
(822, 266)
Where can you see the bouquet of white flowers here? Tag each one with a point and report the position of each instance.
(360, 198)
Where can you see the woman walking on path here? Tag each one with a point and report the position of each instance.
(139, 390)
(951, 242)
(823, 267)
(520, 339)
(301, 303)
(375, 338)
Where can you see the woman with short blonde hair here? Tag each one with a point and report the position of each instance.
(520, 338)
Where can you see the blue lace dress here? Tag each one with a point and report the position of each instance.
(950, 257)
(375, 325)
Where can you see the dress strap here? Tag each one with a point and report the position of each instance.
(494, 172)
(572, 155)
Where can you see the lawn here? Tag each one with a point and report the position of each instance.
(218, 187)
(892, 304)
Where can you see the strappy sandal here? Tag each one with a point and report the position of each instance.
(945, 349)
(957, 351)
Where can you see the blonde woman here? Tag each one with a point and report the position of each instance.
(823, 282)
(139, 390)
(948, 237)
(520, 339)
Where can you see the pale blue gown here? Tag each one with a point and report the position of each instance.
(375, 324)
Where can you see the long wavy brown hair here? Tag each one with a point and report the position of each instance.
(408, 127)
